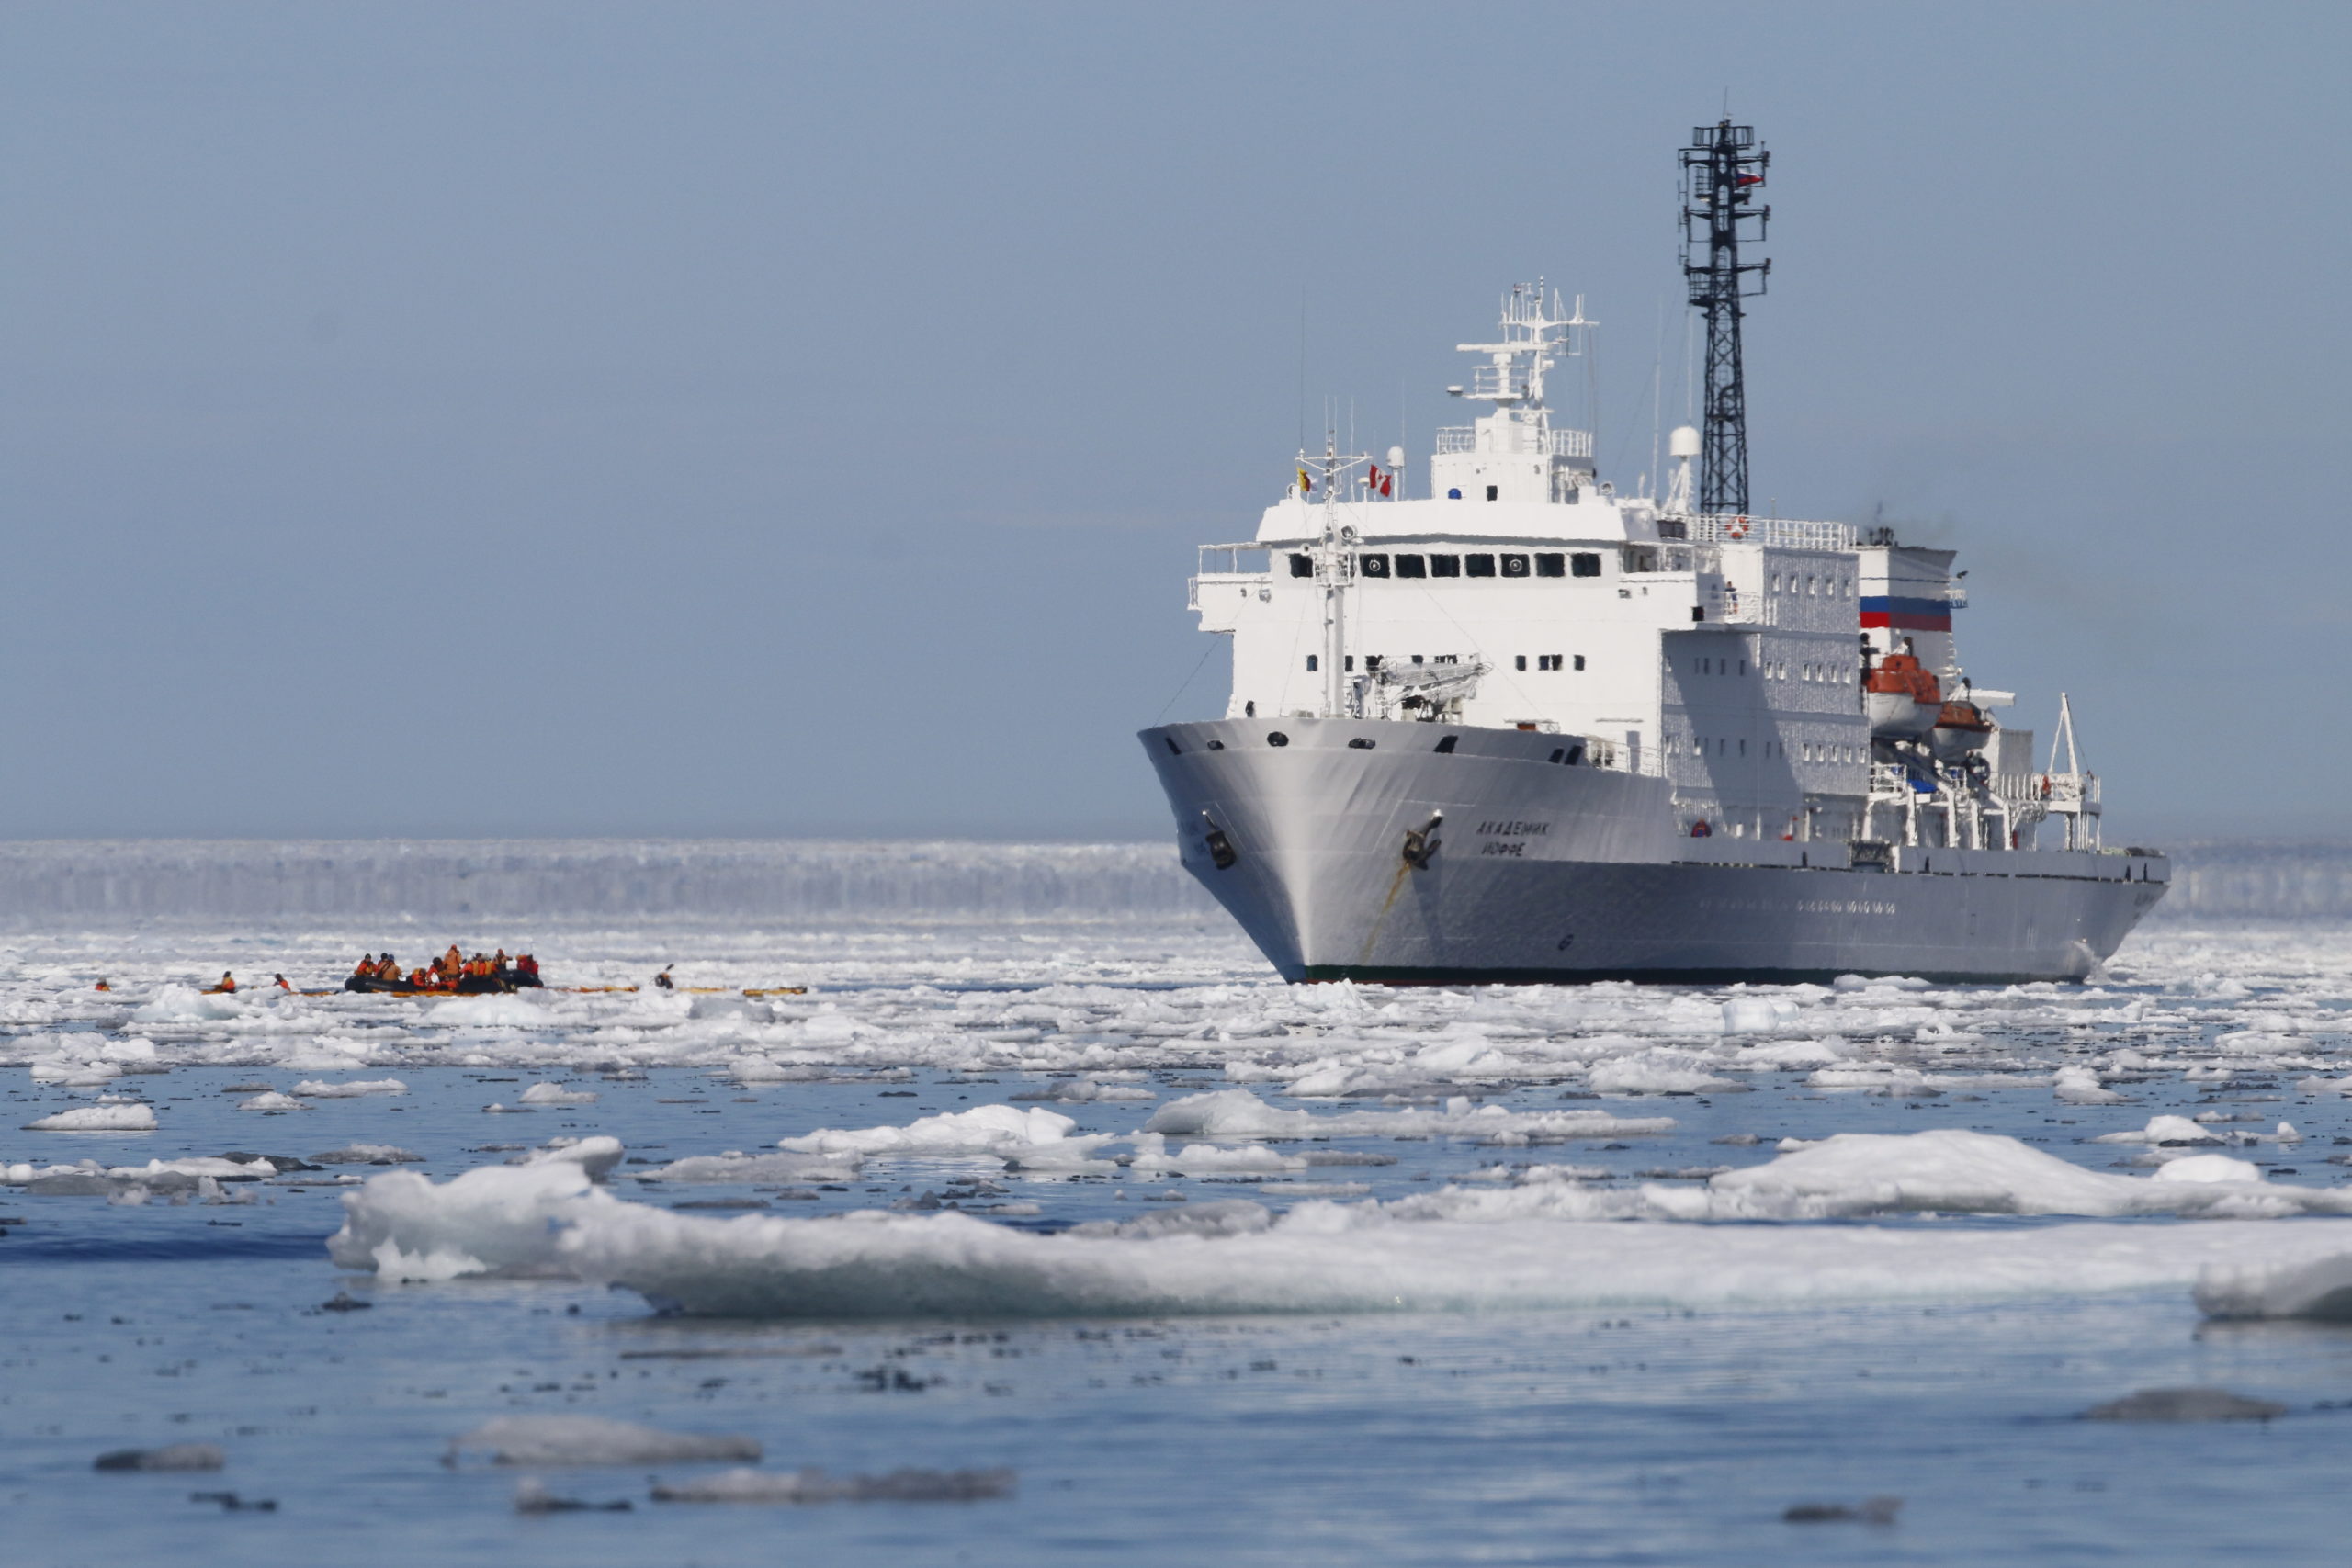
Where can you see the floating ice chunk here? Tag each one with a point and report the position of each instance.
(185, 1004)
(1337, 1258)
(816, 1487)
(983, 1130)
(2162, 1129)
(596, 1156)
(1757, 1015)
(746, 1008)
(1659, 1072)
(97, 1119)
(556, 1094)
(494, 1011)
(594, 1439)
(367, 1154)
(2080, 1085)
(766, 1069)
(182, 1457)
(1237, 1114)
(744, 1168)
(1087, 1090)
(356, 1089)
(272, 1101)
(2185, 1404)
(500, 1219)
(2316, 1288)
(1197, 1159)
(1229, 1113)
(2209, 1168)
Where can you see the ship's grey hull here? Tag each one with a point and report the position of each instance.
(1548, 871)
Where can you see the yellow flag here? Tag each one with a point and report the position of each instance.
(1306, 485)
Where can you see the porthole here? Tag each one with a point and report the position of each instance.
(1276, 738)
(1361, 744)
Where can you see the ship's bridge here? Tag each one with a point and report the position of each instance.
(1595, 516)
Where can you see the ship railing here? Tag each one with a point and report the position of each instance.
(1781, 533)
(1546, 442)
(1222, 566)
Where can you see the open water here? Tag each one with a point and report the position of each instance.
(1503, 1296)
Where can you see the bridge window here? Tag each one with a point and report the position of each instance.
(1494, 492)
(1302, 566)
(1412, 566)
(1518, 662)
(1514, 566)
(1373, 566)
(1585, 563)
(1480, 566)
(1446, 566)
(1551, 566)
(1311, 663)
(1580, 664)
(1547, 661)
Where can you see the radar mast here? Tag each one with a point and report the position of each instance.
(1721, 169)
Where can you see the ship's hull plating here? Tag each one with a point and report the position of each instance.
(1548, 871)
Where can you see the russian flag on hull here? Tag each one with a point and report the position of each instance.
(1906, 615)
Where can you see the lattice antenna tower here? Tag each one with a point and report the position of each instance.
(1721, 169)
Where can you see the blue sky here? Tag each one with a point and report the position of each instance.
(700, 419)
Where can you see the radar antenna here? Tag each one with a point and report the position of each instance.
(1722, 168)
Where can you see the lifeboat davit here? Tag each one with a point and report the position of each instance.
(1961, 728)
(1902, 700)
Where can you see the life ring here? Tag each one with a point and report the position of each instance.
(1738, 529)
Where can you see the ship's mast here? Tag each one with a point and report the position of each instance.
(1721, 169)
(1336, 568)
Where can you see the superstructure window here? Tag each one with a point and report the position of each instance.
(1494, 492)
(1480, 566)
(1373, 566)
(1518, 662)
(1514, 566)
(1551, 566)
(1580, 664)
(1585, 563)
(1547, 661)
(1412, 566)
(1302, 566)
(1446, 566)
(1311, 663)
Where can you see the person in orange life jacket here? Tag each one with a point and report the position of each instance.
(279, 980)
(228, 984)
(663, 979)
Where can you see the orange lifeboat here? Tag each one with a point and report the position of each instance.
(1902, 700)
(1961, 728)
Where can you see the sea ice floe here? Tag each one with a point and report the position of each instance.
(358, 1088)
(1537, 1243)
(367, 1154)
(272, 1101)
(1232, 1113)
(736, 1167)
(97, 1119)
(1000, 1129)
(1152, 1157)
(594, 1441)
(556, 1094)
(2080, 1085)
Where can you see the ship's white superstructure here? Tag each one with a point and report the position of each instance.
(1521, 666)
